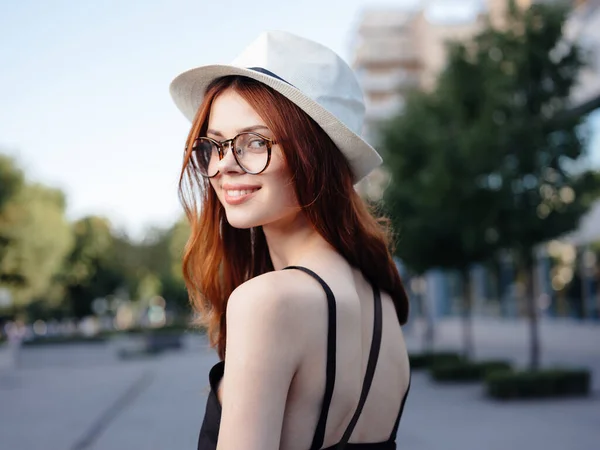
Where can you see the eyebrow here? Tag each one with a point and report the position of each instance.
(242, 130)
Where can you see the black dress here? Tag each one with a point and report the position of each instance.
(209, 432)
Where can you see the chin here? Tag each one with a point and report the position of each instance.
(242, 220)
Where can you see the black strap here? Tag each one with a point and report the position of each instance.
(319, 436)
(395, 430)
(371, 364)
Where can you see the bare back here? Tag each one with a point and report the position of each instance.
(354, 298)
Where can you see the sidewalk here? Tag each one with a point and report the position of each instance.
(563, 342)
(90, 400)
(460, 417)
(78, 397)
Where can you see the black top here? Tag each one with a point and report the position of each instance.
(209, 432)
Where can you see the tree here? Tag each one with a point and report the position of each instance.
(488, 159)
(168, 246)
(11, 180)
(174, 289)
(440, 213)
(91, 270)
(56, 269)
(158, 257)
(40, 238)
(530, 71)
(11, 183)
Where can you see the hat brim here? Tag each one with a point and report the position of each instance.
(188, 90)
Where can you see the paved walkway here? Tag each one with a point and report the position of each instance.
(460, 417)
(82, 397)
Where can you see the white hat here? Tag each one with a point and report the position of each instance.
(309, 74)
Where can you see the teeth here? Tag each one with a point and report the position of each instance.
(239, 193)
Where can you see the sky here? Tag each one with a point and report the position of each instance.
(84, 100)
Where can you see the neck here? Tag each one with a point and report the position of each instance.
(289, 242)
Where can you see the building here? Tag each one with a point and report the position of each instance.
(397, 51)
(386, 62)
(583, 27)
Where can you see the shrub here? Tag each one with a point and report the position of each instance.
(464, 371)
(129, 354)
(490, 366)
(58, 340)
(538, 384)
(177, 328)
(428, 359)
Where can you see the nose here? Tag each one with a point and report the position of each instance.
(228, 164)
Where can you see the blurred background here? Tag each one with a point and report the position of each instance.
(487, 113)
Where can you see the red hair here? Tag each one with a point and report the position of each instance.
(219, 257)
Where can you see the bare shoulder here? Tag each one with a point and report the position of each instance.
(284, 297)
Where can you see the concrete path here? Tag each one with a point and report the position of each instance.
(83, 397)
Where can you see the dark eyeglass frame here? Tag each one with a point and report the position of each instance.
(231, 143)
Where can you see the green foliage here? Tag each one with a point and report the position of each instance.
(61, 340)
(485, 161)
(174, 292)
(54, 269)
(39, 239)
(178, 238)
(153, 266)
(175, 328)
(536, 384)
(433, 204)
(492, 158)
(11, 183)
(541, 195)
(91, 270)
(11, 180)
(466, 371)
(104, 263)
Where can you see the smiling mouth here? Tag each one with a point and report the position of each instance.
(239, 192)
(238, 196)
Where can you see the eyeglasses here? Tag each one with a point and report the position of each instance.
(252, 152)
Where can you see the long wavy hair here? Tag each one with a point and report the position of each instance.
(219, 257)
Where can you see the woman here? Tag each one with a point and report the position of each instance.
(312, 356)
